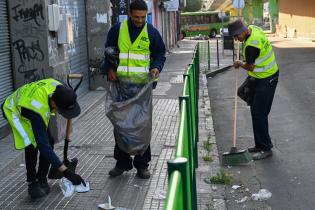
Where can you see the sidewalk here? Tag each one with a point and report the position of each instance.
(93, 144)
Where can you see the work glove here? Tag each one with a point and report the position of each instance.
(74, 178)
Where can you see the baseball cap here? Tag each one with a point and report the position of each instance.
(66, 101)
(236, 27)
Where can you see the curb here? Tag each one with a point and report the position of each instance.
(219, 70)
(215, 198)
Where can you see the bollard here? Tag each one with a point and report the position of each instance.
(218, 53)
(208, 55)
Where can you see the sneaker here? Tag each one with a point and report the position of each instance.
(254, 149)
(116, 172)
(143, 173)
(35, 190)
(262, 155)
(44, 185)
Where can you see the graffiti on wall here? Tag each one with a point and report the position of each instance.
(29, 40)
(120, 9)
(28, 14)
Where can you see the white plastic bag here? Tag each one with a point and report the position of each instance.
(68, 188)
(262, 195)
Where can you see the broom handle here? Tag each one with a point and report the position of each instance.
(235, 97)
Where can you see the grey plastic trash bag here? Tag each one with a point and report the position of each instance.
(131, 118)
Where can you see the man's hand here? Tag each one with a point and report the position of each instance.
(237, 64)
(74, 178)
(154, 73)
(111, 75)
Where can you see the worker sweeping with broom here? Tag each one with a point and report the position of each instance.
(259, 88)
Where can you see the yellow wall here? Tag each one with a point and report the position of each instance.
(298, 16)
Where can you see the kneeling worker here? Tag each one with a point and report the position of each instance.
(28, 111)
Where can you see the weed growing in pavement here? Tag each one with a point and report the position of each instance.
(207, 146)
(207, 158)
(222, 177)
(209, 207)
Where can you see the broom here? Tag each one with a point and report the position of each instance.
(235, 156)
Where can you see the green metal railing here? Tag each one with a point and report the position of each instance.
(182, 193)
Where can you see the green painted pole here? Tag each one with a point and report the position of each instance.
(192, 150)
(180, 164)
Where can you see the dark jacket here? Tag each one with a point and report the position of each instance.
(157, 47)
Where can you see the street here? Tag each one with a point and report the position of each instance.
(289, 174)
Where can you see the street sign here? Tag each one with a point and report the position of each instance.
(171, 6)
(221, 15)
(238, 4)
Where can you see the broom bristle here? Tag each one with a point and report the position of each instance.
(236, 158)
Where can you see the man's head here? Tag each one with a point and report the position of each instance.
(64, 101)
(238, 30)
(138, 12)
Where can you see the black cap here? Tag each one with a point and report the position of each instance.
(236, 27)
(66, 101)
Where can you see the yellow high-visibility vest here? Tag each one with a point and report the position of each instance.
(35, 97)
(265, 64)
(134, 58)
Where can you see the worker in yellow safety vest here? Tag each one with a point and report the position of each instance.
(28, 111)
(141, 59)
(262, 69)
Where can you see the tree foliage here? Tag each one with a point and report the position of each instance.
(193, 5)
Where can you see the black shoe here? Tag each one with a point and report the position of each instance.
(143, 173)
(35, 191)
(44, 185)
(262, 155)
(116, 172)
(254, 149)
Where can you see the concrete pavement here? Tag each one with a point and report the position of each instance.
(93, 143)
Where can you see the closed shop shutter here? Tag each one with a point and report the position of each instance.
(78, 53)
(6, 81)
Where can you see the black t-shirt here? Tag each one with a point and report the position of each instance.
(251, 53)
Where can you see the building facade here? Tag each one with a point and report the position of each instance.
(52, 38)
(297, 19)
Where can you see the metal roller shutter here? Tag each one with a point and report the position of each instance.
(6, 81)
(78, 51)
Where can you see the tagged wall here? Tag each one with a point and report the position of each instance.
(28, 30)
(120, 10)
(98, 17)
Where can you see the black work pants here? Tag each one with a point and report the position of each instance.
(260, 109)
(124, 160)
(31, 154)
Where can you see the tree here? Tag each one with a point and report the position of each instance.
(193, 5)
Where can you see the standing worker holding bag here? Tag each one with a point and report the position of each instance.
(28, 111)
(141, 58)
(262, 69)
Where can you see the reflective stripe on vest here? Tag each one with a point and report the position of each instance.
(134, 58)
(35, 97)
(133, 69)
(265, 64)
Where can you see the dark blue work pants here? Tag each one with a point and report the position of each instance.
(124, 160)
(260, 108)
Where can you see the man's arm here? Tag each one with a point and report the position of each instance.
(157, 49)
(41, 137)
(112, 41)
(252, 54)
